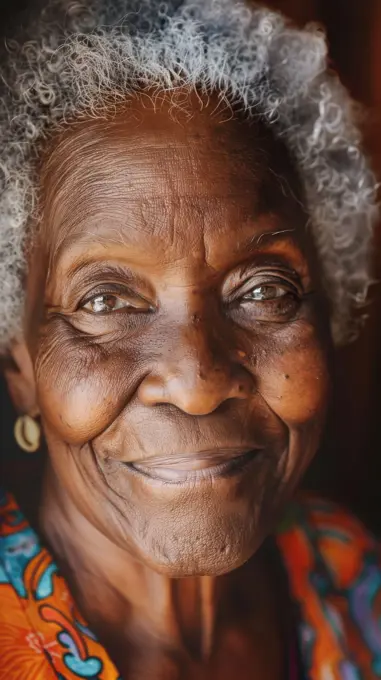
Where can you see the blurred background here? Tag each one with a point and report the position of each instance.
(348, 467)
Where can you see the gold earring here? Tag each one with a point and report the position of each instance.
(27, 433)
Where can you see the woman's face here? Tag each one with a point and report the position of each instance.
(172, 324)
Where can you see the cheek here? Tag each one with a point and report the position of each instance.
(293, 377)
(82, 388)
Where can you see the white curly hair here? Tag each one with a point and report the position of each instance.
(76, 56)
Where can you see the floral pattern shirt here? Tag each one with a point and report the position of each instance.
(334, 572)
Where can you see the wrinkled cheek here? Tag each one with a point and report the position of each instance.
(76, 409)
(293, 380)
(295, 383)
(80, 392)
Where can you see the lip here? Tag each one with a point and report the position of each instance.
(195, 467)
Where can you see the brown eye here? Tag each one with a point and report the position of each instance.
(104, 304)
(264, 292)
(107, 302)
(273, 300)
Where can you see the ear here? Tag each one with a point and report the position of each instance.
(19, 376)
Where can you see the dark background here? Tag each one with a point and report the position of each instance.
(348, 467)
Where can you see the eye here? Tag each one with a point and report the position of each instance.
(264, 292)
(272, 299)
(106, 303)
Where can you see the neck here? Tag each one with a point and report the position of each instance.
(113, 589)
(126, 602)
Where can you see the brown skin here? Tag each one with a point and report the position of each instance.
(173, 327)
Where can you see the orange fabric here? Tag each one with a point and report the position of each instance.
(42, 636)
(334, 575)
(334, 569)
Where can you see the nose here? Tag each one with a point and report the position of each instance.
(197, 375)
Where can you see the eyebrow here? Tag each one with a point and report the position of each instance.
(256, 242)
(271, 236)
(91, 266)
(267, 238)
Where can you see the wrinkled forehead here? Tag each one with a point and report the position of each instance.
(150, 160)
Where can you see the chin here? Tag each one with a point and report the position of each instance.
(209, 526)
(203, 546)
(188, 563)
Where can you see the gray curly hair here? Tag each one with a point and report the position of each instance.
(76, 57)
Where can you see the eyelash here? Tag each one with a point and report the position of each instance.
(276, 310)
(112, 291)
(265, 280)
(281, 304)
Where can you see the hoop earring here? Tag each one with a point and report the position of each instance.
(27, 432)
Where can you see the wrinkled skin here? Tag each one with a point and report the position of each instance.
(174, 325)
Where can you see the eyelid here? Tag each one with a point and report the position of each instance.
(265, 278)
(267, 266)
(112, 289)
(105, 277)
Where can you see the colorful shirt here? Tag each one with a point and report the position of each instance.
(334, 572)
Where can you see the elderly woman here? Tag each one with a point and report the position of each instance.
(185, 223)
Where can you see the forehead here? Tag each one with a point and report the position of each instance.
(151, 177)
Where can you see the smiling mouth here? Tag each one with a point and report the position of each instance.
(197, 466)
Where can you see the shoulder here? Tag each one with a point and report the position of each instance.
(12, 521)
(332, 536)
(334, 570)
